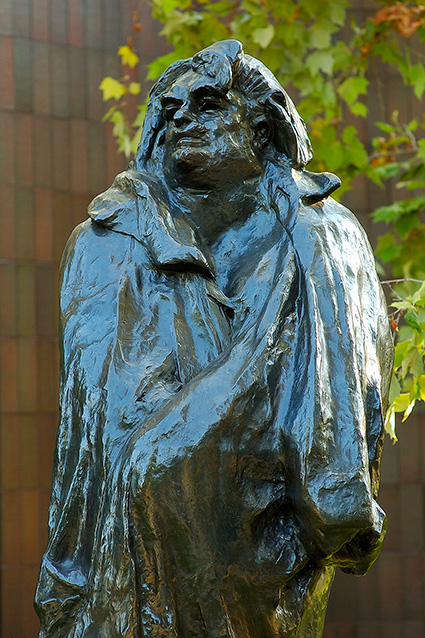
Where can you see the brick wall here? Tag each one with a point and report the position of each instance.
(389, 602)
(55, 155)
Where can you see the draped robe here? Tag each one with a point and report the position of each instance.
(217, 454)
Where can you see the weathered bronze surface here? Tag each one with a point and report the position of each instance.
(225, 367)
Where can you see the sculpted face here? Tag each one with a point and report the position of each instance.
(208, 138)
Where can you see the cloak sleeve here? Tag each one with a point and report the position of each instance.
(336, 431)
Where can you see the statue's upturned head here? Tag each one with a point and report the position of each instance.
(220, 107)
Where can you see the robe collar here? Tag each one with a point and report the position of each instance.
(138, 205)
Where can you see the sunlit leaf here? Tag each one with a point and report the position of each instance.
(390, 425)
(128, 56)
(263, 36)
(134, 88)
(419, 296)
(400, 353)
(112, 89)
(108, 114)
(408, 410)
(402, 402)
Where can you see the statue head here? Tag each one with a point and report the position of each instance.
(221, 110)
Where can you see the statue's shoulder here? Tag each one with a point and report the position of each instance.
(137, 206)
(321, 213)
(325, 229)
(122, 209)
(124, 206)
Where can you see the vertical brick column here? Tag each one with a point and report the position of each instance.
(55, 156)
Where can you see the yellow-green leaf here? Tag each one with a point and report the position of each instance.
(128, 56)
(408, 410)
(112, 89)
(417, 78)
(419, 296)
(402, 403)
(134, 88)
(390, 425)
(108, 114)
(140, 116)
(263, 36)
(320, 61)
(421, 385)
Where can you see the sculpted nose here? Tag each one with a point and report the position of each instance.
(183, 115)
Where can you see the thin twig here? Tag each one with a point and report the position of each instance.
(400, 281)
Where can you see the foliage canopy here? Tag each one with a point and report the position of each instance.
(330, 63)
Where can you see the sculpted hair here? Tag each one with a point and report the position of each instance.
(227, 64)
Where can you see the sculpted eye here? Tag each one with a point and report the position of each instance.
(209, 104)
(169, 111)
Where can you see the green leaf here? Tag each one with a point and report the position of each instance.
(158, 66)
(128, 56)
(419, 297)
(343, 57)
(221, 8)
(413, 125)
(411, 318)
(417, 78)
(119, 124)
(402, 305)
(402, 403)
(338, 12)
(385, 127)
(263, 36)
(421, 385)
(134, 143)
(112, 89)
(321, 33)
(402, 207)
(395, 389)
(416, 363)
(168, 6)
(400, 353)
(140, 118)
(387, 248)
(320, 61)
(410, 361)
(406, 223)
(379, 173)
(358, 108)
(351, 88)
(356, 152)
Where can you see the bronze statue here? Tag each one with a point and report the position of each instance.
(225, 366)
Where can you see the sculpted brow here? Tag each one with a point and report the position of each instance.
(209, 91)
(169, 100)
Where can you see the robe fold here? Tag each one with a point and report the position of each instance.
(218, 454)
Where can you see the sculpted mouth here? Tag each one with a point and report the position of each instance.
(187, 138)
(193, 135)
